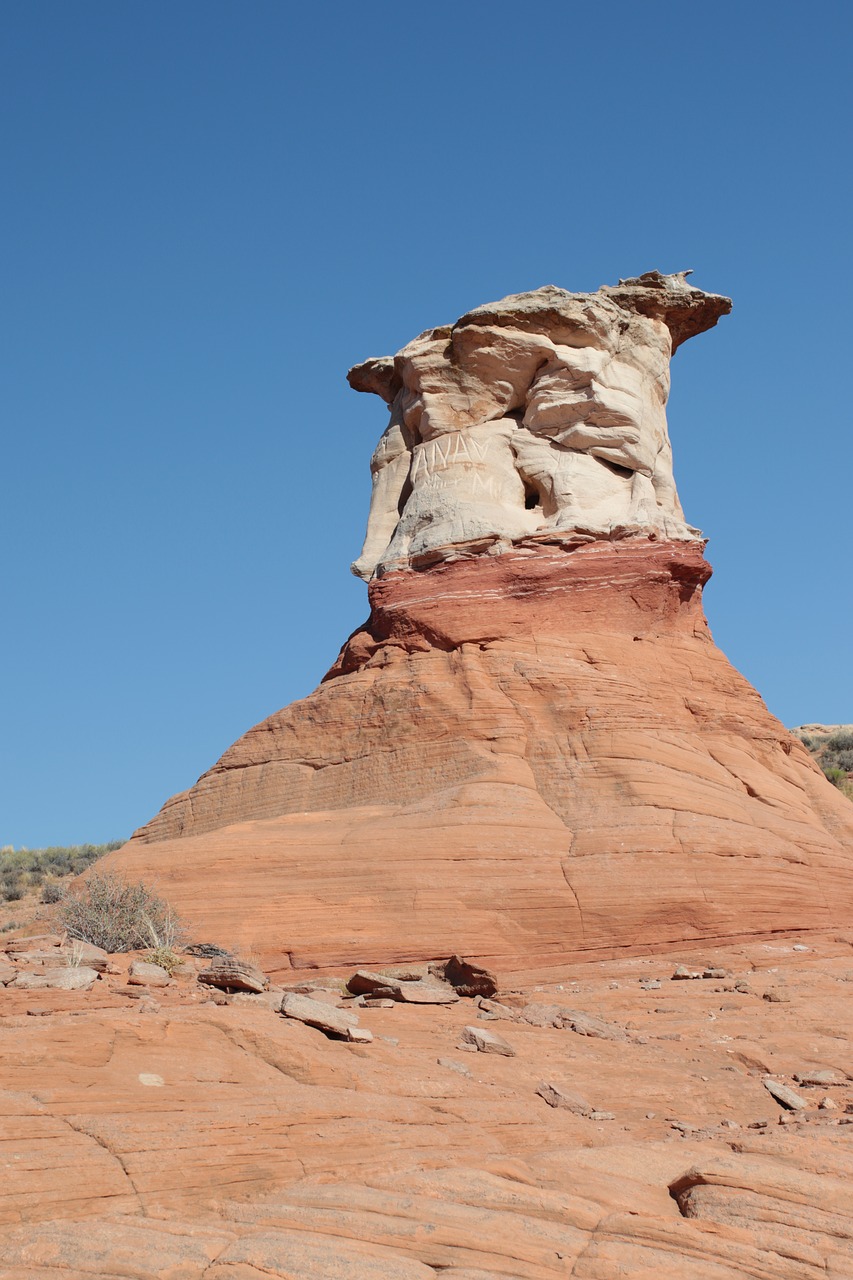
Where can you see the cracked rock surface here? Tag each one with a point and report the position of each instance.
(209, 1141)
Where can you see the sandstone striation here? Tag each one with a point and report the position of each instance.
(229, 1141)
(533, 748)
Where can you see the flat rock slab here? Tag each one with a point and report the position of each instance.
(426, 993)
(314, 1013)
(359, 1035)
(558, 1096)
(584, 1024)
(384, 986)
(487, 1041)
(144, 974)
(822, 1079)
(785, 1096)
(71, 978)
(233, 975)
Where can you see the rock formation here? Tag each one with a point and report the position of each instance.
(532, 749)
(540, 415)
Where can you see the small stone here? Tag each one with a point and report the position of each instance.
(827, 1104)
(314, 1013)
(359, 1035)
(426, 993)
(683, 974)
(650, 1115)
(144, 974)
(650, 984)
(777, 997)
(602, 1115)
(497, 1010)
(798, 946)
(71, 978)
(376, 1003)
(557, 1096)
(458, 1067)
(469, 979)
(542, 1015)
(229, 974)
(408, 990)
(584, 1024)
(487, 1041)
(784, 1095)
(820, 1078)
(758, 1124)
(715, 973)
(744, 988)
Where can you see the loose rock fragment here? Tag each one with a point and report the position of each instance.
(79, 978)
(469, 979)
(316, 1014)
(584, 1024)
(785, 1095)
(486, 1041)
(143, 974)
(557, 1096)
(359, 1035)
(683, 974)
(542, 1015)
(408, 991)
(458, 1067)
(229, 974)
(821, 1078)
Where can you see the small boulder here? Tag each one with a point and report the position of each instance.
(87, 953)
(469, 979)
(71, 978)
(314, 1013)
(486, 1041)
(785, 1096)
(556, 1096)
(820, 1078)
(683, 974)
(230, 974)
(458, 1067)
(383, 986)
(365, 983)
(542, 1015)
(144, 974)
(359, 1035)
(497, 1010)
(426, 993)
(584, 1024)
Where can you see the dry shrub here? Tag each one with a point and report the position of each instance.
(120, 915)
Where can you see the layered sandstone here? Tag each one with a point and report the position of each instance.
(520, 758)
(533, 749)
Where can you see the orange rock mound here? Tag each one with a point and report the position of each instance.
(522, 758)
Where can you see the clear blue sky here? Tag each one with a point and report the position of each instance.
(210, 210)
